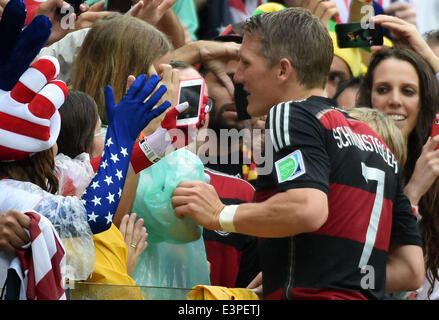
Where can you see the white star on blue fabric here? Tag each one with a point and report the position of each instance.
(92, 216)
(108, 180)
(114, 157)
(119, 174)
(109, 218)
(96, 201)
(95, 185)
(110, 197)
(105, 185)
(124, 151)
(109, 142)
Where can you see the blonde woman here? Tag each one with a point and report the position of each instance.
(386, 128)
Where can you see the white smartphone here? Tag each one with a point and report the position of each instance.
(192, 91)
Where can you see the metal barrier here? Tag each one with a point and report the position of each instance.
(103, 291)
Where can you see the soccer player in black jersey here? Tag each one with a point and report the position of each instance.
(336, 223)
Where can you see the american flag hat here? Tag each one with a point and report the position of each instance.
(29, 117)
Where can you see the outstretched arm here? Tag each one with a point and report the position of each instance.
(285, 214)
(126, 120)
(211, 54)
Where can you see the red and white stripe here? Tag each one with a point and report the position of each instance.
(29, 120)
(44, 262)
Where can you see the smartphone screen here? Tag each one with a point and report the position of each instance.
(353, 35)
(191, 94)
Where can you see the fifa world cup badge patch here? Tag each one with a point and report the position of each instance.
(290, 167)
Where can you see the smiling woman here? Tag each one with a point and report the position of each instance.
(402, 84)
(397, 94)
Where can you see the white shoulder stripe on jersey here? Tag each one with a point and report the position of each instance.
(278, 132)
(272, 119)
(287, 124)
(280, 125)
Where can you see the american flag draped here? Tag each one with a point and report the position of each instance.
(41, 264)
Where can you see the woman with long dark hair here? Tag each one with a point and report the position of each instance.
(402, 84)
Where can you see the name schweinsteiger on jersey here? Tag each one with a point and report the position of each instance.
(316, 145)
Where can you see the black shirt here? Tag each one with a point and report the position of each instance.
(316, 145)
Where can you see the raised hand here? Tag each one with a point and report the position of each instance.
(324, 10)
(19, 46)
(426, 171)
(61, 25)
(90, 14)
(408, 36)
(134, 111)
(135, 236)
(215, 55)
(151, 11)
(125, 122)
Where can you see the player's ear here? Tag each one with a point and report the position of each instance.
(285, 70)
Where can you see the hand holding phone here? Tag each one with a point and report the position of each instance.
(191, 91)
(435, 129)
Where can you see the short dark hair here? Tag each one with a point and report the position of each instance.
(354, 83)
(299, 36)
(79, 115)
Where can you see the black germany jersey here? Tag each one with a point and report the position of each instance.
(316, 145)
(233, 257)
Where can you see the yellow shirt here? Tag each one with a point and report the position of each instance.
(110, 273)
(111, 258)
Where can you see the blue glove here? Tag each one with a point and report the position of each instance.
(19, 47)
(125, 122)
(135, 115)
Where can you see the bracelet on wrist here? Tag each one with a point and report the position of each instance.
(149, 153)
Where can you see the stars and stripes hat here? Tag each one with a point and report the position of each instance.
(29, 117)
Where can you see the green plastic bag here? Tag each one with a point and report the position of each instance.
(176, 255)
(154, 193)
